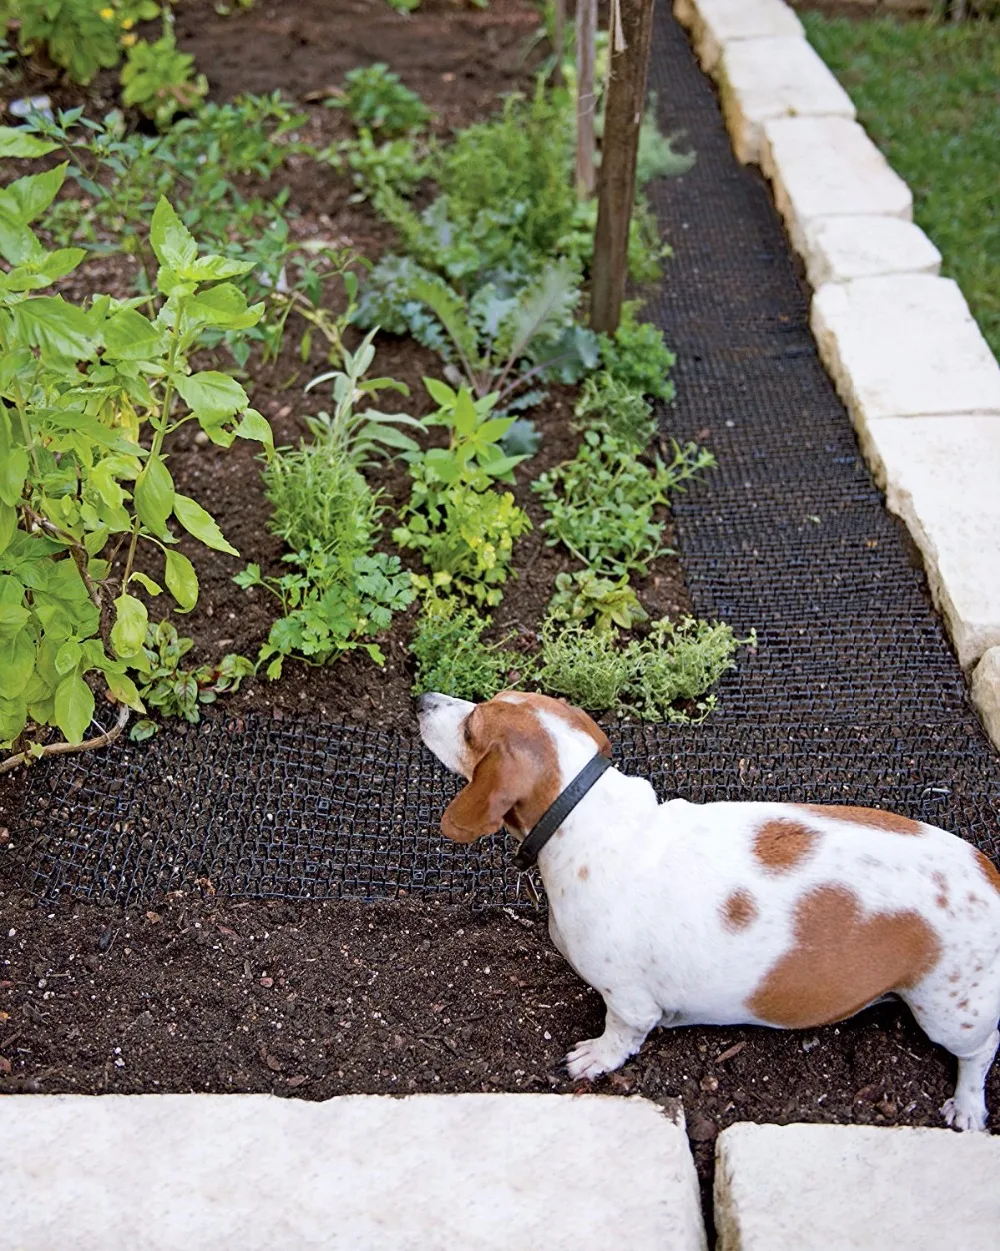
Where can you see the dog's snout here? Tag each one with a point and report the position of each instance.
(426, 702)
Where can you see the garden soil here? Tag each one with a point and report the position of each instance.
(190, 992)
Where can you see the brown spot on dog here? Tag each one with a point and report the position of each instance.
(956, 976)
(780, 844)
(941, 882)
(967, 1025)
(962, 1003)
(583, 872)
(875, 818)
(989, 870)
(739, 910)
(841, 960)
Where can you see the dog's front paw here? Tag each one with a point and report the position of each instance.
(961, 1115)
(590, 1058)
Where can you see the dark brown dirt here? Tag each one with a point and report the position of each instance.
(327, 999)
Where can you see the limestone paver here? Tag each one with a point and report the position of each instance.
(986, 692)
(715, 23)
(942, 476)
(358, 1173)
(847, 1187)
(828, 167)
(904, 346)
(840, 249)
(761, 79)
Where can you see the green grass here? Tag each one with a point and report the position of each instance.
(928, 95)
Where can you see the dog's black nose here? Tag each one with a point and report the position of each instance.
(424, 703)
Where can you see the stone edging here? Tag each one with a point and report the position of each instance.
(482, 1172)
(911, 365)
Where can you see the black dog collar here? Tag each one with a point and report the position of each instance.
(559, 810)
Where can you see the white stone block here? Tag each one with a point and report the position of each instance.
(840, 249)
(761, 79)
(828, 167)
(855, 1188)
(904, 346)
(986, 693)
(942, 476)
(715, 23)
(358, 1173)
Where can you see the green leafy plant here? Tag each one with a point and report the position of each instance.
(465, 538)
(474, 455)
(602, 504)
(453, 658)
(580, 596)
(393, 167)
(174, 691)
(342, 592)
(159, 80)
(88, 396)
(80, 36)
(502, 339)
(199, 161)
(638, 357)
(358, 436)
(614, 408)
(464, 531)
(666, 676)
(376, 98)
(335, 603)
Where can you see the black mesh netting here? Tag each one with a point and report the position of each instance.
(853, 695)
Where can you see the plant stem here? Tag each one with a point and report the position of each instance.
(64, 749)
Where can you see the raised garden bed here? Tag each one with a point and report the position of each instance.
(853, 696)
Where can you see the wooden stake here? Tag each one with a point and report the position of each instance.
(623, 110)
(586, 38)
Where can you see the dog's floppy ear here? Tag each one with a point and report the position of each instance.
(479, 808)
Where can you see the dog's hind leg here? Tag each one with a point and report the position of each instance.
(968, 1030)
(967, 1107)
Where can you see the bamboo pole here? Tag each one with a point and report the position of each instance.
(586, 38)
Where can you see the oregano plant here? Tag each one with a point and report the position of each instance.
(89, 513)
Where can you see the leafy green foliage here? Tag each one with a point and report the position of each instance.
(376, 98)
(614, 408)
(657, 678)
(503, 338)
(342, 592)
(474, 455)
(393, 167)
(580, 596)
(335, 602)
(453, 659)
(638, 357)
(602, 504)
(465, 537)
(358, 436)
(464, 531)
(81, 36)
(160, 80)
(198, 161)
(926, 92)
(88, 394)
(174, 691)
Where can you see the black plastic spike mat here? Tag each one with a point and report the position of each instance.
(853, 695)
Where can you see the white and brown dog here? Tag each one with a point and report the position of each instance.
(731, 913)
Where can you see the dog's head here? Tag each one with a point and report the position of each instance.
(517, 752)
